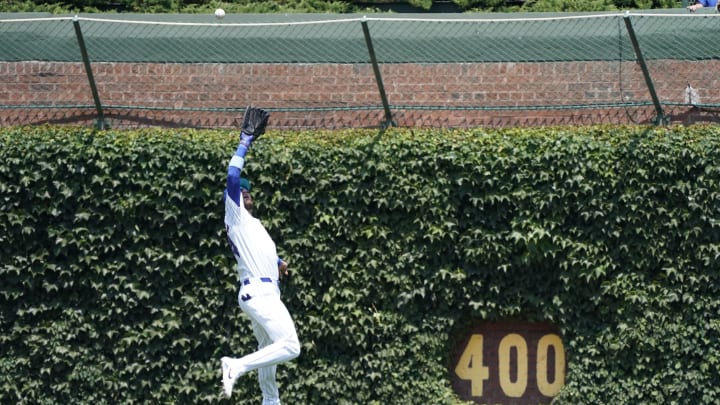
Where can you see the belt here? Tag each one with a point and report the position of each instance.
(247, 281)
(263, 279)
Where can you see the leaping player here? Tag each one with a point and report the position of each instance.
(260, 270)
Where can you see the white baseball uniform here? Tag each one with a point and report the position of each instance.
(259, 295)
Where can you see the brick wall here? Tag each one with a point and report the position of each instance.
(343, 95)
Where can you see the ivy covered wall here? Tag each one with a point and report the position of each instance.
(117, 285)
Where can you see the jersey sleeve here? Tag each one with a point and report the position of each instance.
(235, 167)
(237, 162)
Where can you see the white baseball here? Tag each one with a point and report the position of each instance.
(219, 13)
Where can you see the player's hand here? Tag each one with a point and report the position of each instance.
(283, 269)
(254, 122)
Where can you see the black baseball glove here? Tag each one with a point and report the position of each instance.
(254, 121)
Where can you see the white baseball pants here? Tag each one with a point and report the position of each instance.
(274, 330)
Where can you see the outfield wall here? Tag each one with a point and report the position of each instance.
(565, 265)
(344, 95)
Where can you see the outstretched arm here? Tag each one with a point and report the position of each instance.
(237, 162)
(254, 122)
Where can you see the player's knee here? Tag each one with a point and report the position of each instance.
(293, 347)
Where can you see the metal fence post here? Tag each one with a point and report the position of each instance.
(100, 124)
(378, 78)
(661, 118)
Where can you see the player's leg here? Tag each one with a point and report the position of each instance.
(272, 316)
(266, 375)
(268, 385)
(268, 313)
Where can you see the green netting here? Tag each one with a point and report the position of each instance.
(124, 40)
(583, 60)
(302, 38)
(46, 40)
(331, 42)
(497, 40)
(679, 37)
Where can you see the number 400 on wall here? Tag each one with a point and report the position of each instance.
(507, 363)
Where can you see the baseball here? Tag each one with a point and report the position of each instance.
(219, 13)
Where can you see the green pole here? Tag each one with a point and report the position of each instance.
(661, 118)
(378, 78)
(100, 124)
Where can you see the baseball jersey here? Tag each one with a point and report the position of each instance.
(252, 246)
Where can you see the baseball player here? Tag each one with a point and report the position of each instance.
(260, 269)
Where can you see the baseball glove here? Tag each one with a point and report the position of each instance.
(254, 121)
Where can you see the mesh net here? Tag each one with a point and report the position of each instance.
(315, 70)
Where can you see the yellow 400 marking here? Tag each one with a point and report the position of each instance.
(471, 367)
